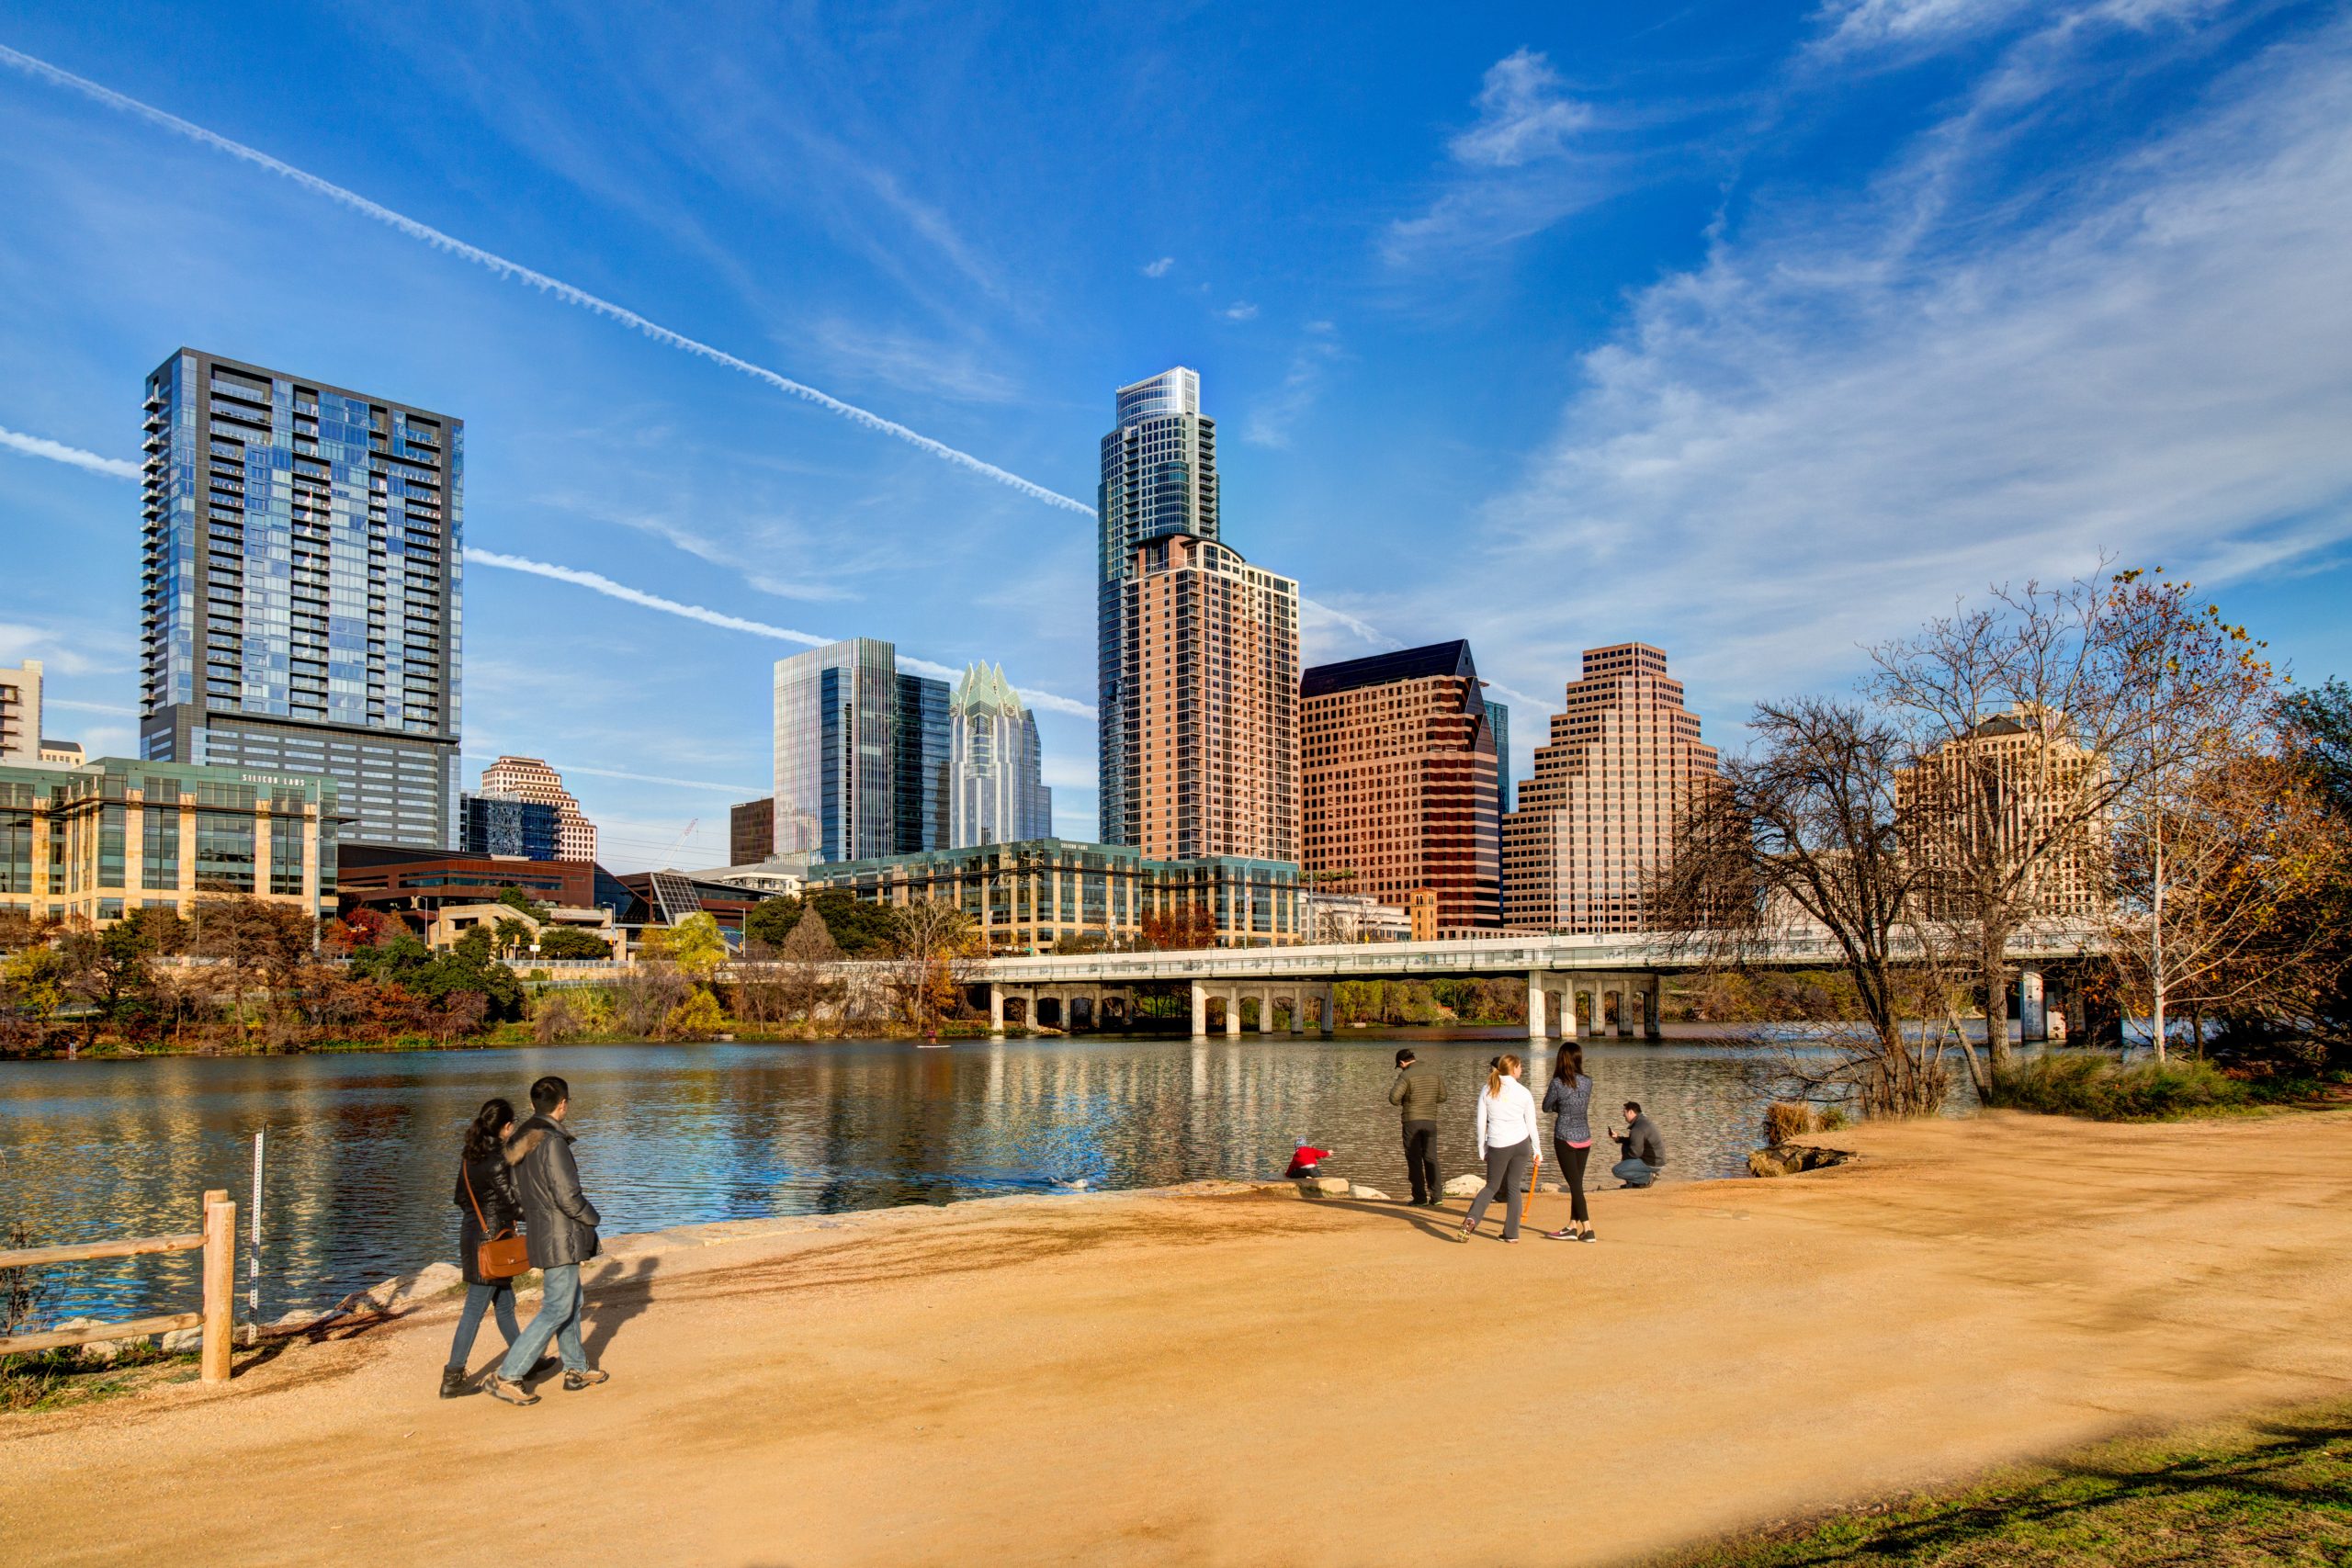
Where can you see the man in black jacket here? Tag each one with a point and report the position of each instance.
(560, 1226)
(1643, 1150)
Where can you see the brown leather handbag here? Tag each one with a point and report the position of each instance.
(500, 1257)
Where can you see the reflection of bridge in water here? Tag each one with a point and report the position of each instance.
(1598, 983)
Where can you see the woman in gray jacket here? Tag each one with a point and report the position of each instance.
(1569, 1098)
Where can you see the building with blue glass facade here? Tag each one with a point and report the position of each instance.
(1499, 716)
(301, 600)
(861, 755)
(509, 826)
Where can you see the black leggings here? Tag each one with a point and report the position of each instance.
(1572, 1172)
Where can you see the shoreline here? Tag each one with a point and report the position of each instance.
(1983, 1300)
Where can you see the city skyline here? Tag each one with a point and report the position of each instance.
(1636, 366)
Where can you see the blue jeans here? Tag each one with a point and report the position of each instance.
(1635, 1172)
(558, 1320)
(478, 1299)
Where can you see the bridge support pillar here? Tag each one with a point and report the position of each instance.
(996, 1009)
(1266, 1010)
(1598, 1023)
(1298, 1012)
(1564, 1015)
(1233, 1013)
(2033, 1007)
(1328, 1012)
(1200, 1011)
(1651, 988)
(1625, 990)
(1536, 996)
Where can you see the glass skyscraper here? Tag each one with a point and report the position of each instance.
(301, 600)
(1158, 478)
(999, 765)
(861, 755)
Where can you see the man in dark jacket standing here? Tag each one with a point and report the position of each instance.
(560, 1226)
(1418, 1095)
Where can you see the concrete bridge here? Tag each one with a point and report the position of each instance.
(1616, 979)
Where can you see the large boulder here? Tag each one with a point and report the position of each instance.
(179, 1341)
(1373, 1193)
(1792, 1160)
(1466, 1186)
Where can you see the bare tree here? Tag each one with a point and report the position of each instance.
(2011, 712)
(1804, 834)
(806, 970)
(2036, 724)
(934, 953)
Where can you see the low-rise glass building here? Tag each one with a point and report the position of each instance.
(95, 841)
(1034, 896)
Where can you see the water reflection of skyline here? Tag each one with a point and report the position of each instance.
(362, 1147)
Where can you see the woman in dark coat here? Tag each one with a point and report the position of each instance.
(490, 1180)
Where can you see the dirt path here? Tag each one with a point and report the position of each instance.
(1257, 1378)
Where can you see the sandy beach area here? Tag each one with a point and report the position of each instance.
(1239, 1376)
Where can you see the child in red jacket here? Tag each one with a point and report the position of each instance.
(1303, 1160)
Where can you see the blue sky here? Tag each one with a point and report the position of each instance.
(1756, 331)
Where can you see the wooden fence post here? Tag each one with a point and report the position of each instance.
(220, 1285)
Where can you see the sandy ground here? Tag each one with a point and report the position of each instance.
(1253, 1378)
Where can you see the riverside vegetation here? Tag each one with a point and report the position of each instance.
(244, 975)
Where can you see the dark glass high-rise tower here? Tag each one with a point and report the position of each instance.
(300, 606)
(861, 755)
(1158, 478)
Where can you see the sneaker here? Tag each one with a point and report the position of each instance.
(1589, 1236)
(453, 1381)
(1569, 1235)
(574, 1381)
(512, 1394)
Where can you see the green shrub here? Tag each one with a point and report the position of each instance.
(2091, 1085)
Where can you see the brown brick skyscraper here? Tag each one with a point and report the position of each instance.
(1397, 769)
(1623, 758)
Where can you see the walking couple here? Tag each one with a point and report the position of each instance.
(1507, 1133)
(523, 1174)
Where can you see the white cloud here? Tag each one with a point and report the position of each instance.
(1515, 172)
(1239, 311)
(1326, 633)
(114, 710)
(58, 452)
(910, 363)
(1912, 27)
(1159, 268)
(68, 650)
(1523, 115)
(705, 549)
(1858, 411)
(1269, 423)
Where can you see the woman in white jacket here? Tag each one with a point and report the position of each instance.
(1506, 1143)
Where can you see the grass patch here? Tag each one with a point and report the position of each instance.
(58, 1380)
(2090, 1085)
(2270, 1491)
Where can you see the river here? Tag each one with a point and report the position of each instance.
(362, 1147)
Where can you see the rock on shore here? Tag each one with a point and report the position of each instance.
(1790, 1160)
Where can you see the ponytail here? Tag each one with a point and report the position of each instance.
(1495, 1071)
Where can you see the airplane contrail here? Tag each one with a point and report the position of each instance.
(517, 272)
(596, 582)
(58, 452)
